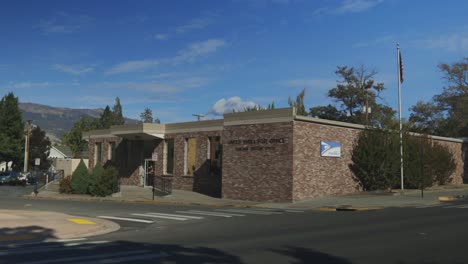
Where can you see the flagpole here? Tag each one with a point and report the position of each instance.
(399, 116)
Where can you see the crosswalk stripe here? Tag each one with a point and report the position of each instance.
(209, 213)
(247, 211)
(126, 219)
(177, 215)
(162, 216)
(92, 257)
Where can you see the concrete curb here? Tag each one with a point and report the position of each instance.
(451, 198)
(89, 199)
(347, 209)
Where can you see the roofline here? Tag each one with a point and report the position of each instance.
(230, 119)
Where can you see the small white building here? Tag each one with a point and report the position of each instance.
(62, 160)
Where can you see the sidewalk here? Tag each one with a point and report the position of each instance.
(358, 200)
(20, 225)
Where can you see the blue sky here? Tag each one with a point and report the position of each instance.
(204, 57)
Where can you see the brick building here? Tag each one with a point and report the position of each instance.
(270, 155)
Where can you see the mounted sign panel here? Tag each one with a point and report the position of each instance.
(330, 149)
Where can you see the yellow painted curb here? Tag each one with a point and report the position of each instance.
(80, 221)
(447, 198)
(17, 237)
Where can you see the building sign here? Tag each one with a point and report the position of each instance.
(258, 144)
(330, 149)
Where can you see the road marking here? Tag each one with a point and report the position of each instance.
(457, 206)
(162, 216)
(209, 213)
(81, 221)
(48, 247)
(86, 243)
(429, 206)
(247, 211)
(65, 240)
(92, 257)
(177, 215)
(126, 219)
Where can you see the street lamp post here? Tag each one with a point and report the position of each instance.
(26, 147)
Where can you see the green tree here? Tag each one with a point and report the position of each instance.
(117, 110)
(147, 116)
(328, 112)
(94, 178)
(107, 118)
(11, 130)
(74, 138)
(39, 147)
(106, 182)
(299, 103)
(80, 179)
(446, 114)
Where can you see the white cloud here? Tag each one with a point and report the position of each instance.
(132, 66)
(189, 54)
(198, 23)
(234, 103)
(348, 6)
(33, 85)
(161, 36)
(75, 70)
(64, 23)
(449, 42)
(198, 49)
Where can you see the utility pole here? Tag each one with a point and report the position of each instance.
(26, 147)
(199, 117)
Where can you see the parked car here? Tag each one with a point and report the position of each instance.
(11, 178)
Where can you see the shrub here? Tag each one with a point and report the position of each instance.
(94, 178)
(445, 166)
(65, 185)
(79, 181)
(106, 182)
(376, 160)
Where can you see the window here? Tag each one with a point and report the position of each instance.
(215, 154)
(97, 153)
(190, 155)
(169, 156)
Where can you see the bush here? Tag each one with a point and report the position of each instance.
(65, 185)
(80, 178)
(94, 178)
(105, 181)
(376, 159)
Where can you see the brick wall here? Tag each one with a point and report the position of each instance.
(316, 176)
(260, 170)
(202, 180)
(457, 151)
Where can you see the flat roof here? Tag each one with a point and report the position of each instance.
(152, 130)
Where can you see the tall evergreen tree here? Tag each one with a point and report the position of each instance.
(117, 110)
(107, 118)
(147, 116)
(11, 130)
(39, 147)
(74, 137)
(299, 103)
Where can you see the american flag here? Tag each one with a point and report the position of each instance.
(401, 66)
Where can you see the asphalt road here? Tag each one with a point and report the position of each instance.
(394, 235)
